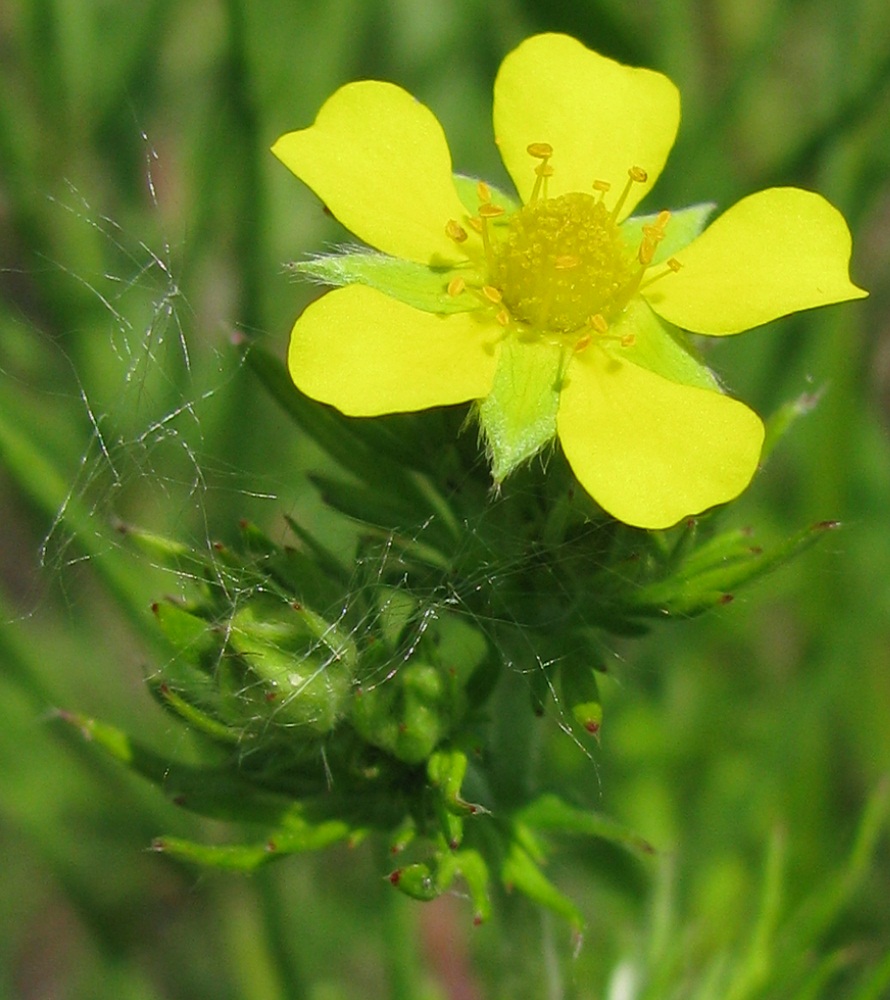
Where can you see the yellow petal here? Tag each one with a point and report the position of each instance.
(771, 254)
(368, 354)
(651, 451)
(600, 117)
(380, 162)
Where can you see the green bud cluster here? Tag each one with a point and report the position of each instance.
(340, 697)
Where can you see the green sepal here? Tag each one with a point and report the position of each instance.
(426, 881)
(193, 637)
(471, 866)
(425, 288)
(385, 507)
(446, 769)
(298, 837)
(467, 191)
(657, 346)
(716, 570)
(518, 416)
(520, 869)
(580, 693)
(550, 814)
(208, 791)
(780, 422)
(417, 881)
(194, 715)
(682, 228)
(408, 714)
(369, 449)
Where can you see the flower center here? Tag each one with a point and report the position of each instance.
(560, 264)
(562, 261)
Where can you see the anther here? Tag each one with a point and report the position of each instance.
(566, 262)
(489, 211)
(492, 294)
(456, 287)
(673, 264)
(503, 317)
(540, 151)
(483, 193)
(475, 223)
(455, 231)
(598, 322)
(602, 187)
(581, 343)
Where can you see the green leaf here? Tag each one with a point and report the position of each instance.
(518, 416)
(424, 288)
(684, 225)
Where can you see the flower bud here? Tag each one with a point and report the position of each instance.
(303, 665)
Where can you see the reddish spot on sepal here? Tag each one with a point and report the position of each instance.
(592, 727)
(395, 877)
(155, 607)
(727, 598)
(478, 919)
(159, 845)
(826, 525)
(271, 847)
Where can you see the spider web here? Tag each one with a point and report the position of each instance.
(153, 458)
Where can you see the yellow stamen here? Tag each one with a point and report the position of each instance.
(457, 286)
(540, 150)
(602, 187)
(542, 172)
(483, 192)
(455, 231)
(672, 265)
(598, 322)
(581, 343)
(488, 211)
(503, 317)
(492, 294)
(636, 175)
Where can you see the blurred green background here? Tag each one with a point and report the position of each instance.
(142, 224)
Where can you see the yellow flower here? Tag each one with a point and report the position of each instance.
(558, 314)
